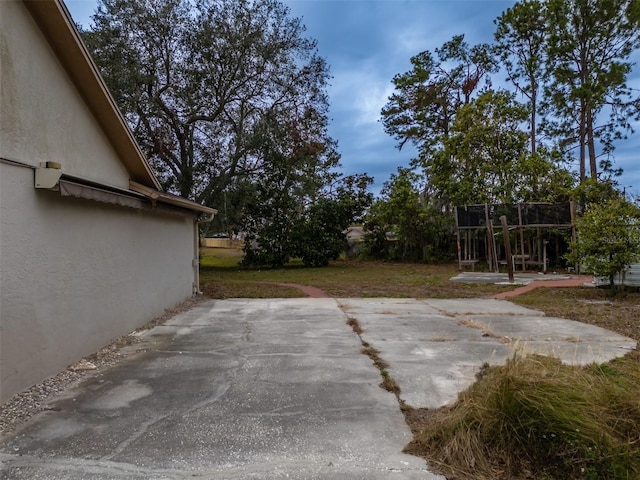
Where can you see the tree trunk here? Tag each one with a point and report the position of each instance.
(582, 135)
(591, 143)
(533, 122)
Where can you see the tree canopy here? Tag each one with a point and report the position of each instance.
(569, 60)
(198, 79)
(589, 44)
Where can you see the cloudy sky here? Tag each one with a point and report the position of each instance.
(367, 42)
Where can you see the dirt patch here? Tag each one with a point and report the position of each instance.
(309, 291)
(419, 418)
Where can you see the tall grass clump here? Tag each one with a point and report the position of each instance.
(537, 418)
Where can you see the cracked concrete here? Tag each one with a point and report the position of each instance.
(436, 346)
(270, 389)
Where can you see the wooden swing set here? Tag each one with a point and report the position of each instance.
(524, 227)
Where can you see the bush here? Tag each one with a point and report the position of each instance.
(608, 238)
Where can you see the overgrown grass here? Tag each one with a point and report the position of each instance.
(221, 277)
(537, 418)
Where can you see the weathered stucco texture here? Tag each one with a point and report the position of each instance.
(74, 274)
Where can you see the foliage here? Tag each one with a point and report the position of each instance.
(569, 59)
(521, 44)
(485, 158)
(290, 220)
(472, 148)
(479, 162)
(608, 238)
(420, 232)
(428, 96)
(196, 81)
(320, 235)
(589, 44)
(537, 418)
(592, 192)
(544, 178)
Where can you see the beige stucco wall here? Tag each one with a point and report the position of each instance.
(43, 116)
(74, 274)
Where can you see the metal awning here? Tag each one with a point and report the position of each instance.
(138, 196)
(88, 192)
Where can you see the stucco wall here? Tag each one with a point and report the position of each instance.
(43, 116)
(75, 274)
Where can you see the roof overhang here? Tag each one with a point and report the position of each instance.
(157, 196)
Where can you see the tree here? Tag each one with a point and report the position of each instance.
(590, 42)
(420, 230)
(521, 43)
(301, 206)
(295, 168)
(483, 151)
(428, 97)
(279, 227)
(608, 238)
(485, 158)
(321, 233)
(196, 80)
(541, 177)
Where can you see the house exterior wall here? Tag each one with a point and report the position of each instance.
(43, 116)
(74, 274)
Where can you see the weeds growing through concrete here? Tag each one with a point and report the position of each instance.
(353, 323)
(388, 383)
(374, 355)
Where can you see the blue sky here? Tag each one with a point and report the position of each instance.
(367, 42)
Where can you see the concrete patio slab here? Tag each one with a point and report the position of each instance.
(233, 389)
(476, 306)
(270, 389)
(433, 357)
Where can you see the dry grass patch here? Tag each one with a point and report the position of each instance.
(389, 384)
(478, 325)
(537, 418)
(247, 289)
(355, 326)
(374, 355)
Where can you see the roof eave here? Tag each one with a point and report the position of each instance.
(158, 196)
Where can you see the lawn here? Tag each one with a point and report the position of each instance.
(221, 277)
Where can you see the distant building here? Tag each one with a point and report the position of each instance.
(630, 277)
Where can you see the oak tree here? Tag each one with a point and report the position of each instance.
(197, 79)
